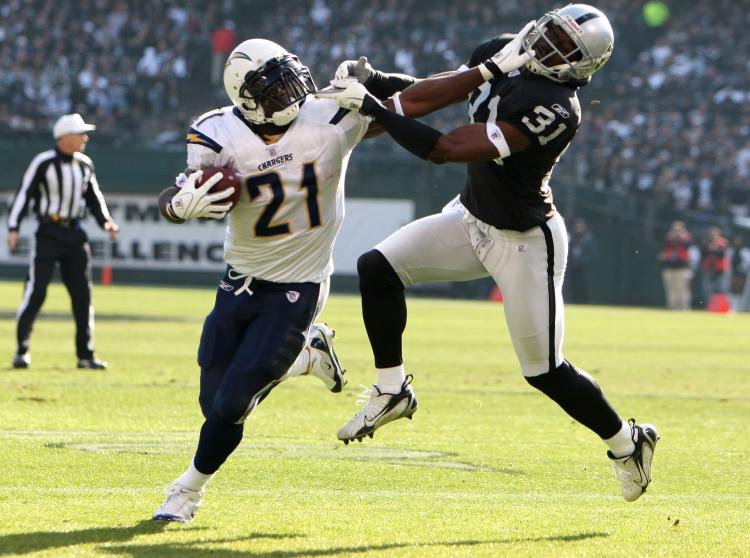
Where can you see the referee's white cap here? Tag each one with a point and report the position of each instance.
(71, 124)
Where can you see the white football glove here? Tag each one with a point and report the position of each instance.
(347, 92)
(359, 69)
(196, 203)
(510, 57)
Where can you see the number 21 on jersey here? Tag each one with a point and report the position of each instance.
(265, 226)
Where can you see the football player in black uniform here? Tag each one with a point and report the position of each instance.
(523, 112)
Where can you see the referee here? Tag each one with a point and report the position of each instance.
(60, 183)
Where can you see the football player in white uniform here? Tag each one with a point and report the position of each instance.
(524, 112)
(292, 151)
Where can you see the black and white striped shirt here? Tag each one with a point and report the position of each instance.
(61, 186)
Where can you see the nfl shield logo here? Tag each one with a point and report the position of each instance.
(292, 296)
(273, 151)
(521, 248)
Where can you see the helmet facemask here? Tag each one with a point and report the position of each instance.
(276, 90)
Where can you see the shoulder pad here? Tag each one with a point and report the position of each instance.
(210, 114)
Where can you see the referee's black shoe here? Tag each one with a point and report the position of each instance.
(92, 363)
(21, 360)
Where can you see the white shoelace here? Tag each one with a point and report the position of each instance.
(364, 397)
(234, 275)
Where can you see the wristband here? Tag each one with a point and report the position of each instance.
(490, 70)
(496, 137)
(397, 105)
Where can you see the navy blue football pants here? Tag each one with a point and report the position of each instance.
(248, 343)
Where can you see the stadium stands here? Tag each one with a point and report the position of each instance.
(667, 120)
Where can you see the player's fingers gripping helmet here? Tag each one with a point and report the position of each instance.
(570, 43)
(266, 83)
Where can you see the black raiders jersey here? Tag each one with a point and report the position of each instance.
(513, 193)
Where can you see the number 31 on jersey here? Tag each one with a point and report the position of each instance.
(544, 117)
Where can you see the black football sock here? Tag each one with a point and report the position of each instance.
(217, 441)
(581, 397)
(383, 307)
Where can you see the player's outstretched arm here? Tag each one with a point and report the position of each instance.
(478, 142)
(434, 93)
(380, 84)
(437, 92)
(473, 142)
(421, 96)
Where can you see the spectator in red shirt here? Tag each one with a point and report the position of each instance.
(714, 263)
(223, 41)
(676, 271)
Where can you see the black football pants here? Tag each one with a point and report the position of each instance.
(69, 247)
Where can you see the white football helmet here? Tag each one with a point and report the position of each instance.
(570, 43)
(266, 83)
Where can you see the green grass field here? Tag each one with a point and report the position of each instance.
(488, 467)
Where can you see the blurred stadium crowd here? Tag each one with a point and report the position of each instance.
(668, 119)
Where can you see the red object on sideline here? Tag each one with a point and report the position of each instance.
(719, 303)
(495, 294)
(223, 40)
(106, 275)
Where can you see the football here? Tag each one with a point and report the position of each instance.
(231, 179)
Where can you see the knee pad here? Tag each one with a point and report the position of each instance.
(375, 270)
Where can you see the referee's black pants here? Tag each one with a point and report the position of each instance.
(69, 246)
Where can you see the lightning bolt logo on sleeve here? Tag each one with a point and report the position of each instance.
(199, 138)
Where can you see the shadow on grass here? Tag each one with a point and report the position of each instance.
(37, 541)
(193, 549)
(26, 543)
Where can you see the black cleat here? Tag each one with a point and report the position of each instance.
(92, 363)
(21, 360)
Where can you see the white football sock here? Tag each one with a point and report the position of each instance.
(621, 444)
(193, 478)
(299, 366)
(390, 379)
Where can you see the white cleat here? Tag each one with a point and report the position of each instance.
(634, 470)
(324, 363)
(380, 409)
(180, 505)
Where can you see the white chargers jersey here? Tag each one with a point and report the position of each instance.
(285, 224)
